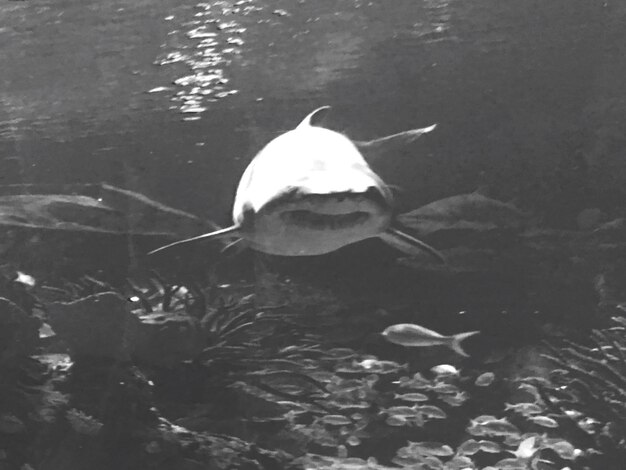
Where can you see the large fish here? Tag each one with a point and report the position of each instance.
(411, 335)
(310, 191)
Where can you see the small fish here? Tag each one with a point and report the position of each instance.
(525, 409)
(413, 397)
(526, 448)
(378, 366)
(433, 448)
(445, 370)
(340, 405)
(490, 447)
(444, 388)
(395, 420)
(336, 420)
(469, 447)
(432, 411)
(405, 412)
(499, 427)
(482, 419)
(573, 414)
(411, 335)
(454, 400)
(484, 380)
(544, 421)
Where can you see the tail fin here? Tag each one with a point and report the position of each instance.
(455, 344)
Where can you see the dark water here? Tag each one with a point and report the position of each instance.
(172, 99)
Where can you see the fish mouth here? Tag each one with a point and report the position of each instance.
(323, 221)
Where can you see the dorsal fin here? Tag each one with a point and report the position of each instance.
(315, 117)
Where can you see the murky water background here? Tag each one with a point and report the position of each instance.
(173, 98)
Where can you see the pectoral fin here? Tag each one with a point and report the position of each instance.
(409, 245)
(376, 149)
(228, 232)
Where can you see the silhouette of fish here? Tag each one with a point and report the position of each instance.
(408, 334)
(310, 191)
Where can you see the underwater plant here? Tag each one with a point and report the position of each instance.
(587, 393)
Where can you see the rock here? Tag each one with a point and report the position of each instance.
(19, 332)
(100, 325)
(104, 326)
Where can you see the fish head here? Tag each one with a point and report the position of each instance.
(309, 192)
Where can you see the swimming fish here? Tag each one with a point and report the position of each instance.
(408, 334)
(484, 380)
(444, 370)
(412, 397)
(309, 192)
